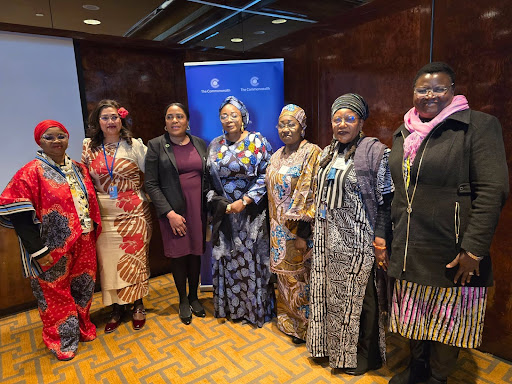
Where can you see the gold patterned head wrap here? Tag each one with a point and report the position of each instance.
(296, 112)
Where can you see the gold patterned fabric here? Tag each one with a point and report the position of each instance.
(291, 192)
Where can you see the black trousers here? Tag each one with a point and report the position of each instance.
(442, 358)
(368, 343)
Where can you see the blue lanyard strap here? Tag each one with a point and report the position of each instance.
(73, 167)
(111, 169)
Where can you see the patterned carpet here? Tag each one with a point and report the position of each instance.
(207, 351)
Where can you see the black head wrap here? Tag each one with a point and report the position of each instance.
(352, 101)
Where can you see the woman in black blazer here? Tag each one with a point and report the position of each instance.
(175, 180)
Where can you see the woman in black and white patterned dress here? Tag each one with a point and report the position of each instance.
(352, 224)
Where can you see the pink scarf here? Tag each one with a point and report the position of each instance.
(419, 130)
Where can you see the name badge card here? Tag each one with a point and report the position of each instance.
(112, 191)
(339, 163)
(284, 170)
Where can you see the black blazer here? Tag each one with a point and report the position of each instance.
(162, 180)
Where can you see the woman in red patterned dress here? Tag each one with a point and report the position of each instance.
(116, 163)
(51, 204)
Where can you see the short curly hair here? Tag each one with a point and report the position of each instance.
(95, 132)
(435, 67)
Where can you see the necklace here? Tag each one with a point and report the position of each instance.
(410, 200)
(182, 142)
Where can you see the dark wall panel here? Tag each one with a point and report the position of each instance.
(144, 81)
(478, 44)
(377, 59)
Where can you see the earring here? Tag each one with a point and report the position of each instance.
(165, 128)
(188, 127)
(303, 133)
(242, 129)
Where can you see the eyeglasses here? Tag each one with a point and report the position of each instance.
(60, 136)
(178, 116)
(232, 116)
(436, 91)
(290, 125)
(107, 118)
(348, 119)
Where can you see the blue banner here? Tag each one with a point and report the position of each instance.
(259, 84)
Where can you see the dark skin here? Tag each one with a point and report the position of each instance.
(233, 128)
(176, 124)
(345, 132)
(55, 150)
(428, 107)
(290, 135)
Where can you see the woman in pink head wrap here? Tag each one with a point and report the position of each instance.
(51, 204)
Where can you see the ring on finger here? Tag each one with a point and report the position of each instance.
(471, 273)
(381, 263)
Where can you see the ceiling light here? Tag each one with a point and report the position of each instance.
(165, 4)
(236, 40)
(90, 7)
(220, 47)
(212, 35)
(259, 32)
(40, 14)
(92, 22)
(279, 21)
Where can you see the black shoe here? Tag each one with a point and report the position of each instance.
(197, 309)
(296, 340)
(363, 366)
(185, 313)
(433, 380)
(416, 372)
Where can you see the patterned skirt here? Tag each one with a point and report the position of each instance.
(123, 247)
(452, 316)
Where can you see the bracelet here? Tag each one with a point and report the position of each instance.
(380, 247)
(473, 256)
(228, 208)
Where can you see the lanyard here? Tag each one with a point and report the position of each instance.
(111, 169)
(73, 167)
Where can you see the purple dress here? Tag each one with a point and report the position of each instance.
(190, 169)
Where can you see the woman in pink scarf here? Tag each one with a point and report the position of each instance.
(451, 181)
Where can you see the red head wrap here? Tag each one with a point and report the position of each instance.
(43, 126)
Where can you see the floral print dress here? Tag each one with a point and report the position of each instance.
(240, 265)
(124, 243)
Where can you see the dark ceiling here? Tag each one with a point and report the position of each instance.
(189, 23)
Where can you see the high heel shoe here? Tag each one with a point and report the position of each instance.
(197, 309)
(138, 324)
(185, 313)
(115, 319)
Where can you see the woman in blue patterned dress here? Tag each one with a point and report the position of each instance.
(237, 161)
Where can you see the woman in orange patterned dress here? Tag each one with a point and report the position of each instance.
(116, 163)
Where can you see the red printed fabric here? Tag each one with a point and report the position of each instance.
(64, 296)
(40, 188)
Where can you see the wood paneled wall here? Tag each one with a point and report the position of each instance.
(374, 51)
(478, 44)
(144, 81)
(379, 58)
